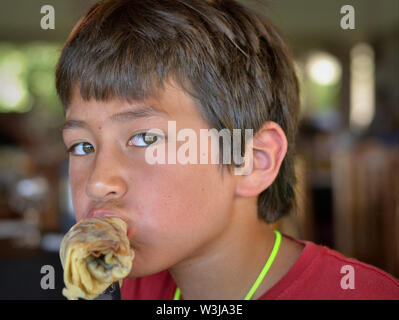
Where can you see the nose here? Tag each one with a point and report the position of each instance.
(106, 181)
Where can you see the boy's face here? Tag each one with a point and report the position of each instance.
(173, 211)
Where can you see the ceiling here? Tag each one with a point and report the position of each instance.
(304, 22)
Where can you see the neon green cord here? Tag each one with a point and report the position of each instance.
(177, 294)
(267, 266)
(262, 274)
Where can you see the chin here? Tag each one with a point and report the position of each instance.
(139, 271)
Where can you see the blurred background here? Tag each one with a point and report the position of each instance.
(348, 144)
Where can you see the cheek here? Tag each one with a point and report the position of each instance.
(77, 182)
(182, 206)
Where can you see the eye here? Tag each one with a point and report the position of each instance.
(81, 149)
(144, 139)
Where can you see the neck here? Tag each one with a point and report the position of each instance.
(228, 267)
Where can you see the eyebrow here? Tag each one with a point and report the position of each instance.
(124, 116)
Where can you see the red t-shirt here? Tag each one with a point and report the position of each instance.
(315, 275)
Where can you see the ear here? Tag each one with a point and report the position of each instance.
(265, 152)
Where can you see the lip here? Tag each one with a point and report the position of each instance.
(102, 213)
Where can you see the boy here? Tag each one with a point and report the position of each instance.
(198, 230)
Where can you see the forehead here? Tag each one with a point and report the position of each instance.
(172, 100)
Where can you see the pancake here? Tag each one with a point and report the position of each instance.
(94, 254)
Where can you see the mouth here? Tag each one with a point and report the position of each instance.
(102, 213)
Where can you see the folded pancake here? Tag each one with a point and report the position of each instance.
(94, 254)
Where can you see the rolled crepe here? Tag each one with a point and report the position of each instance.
(94, 254)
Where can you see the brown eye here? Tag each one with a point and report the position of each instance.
(149, 139)
(143, 139)
(88, 148)
(81, 149)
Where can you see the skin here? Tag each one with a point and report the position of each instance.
(199, 224)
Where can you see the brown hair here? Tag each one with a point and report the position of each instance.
(231, 60)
